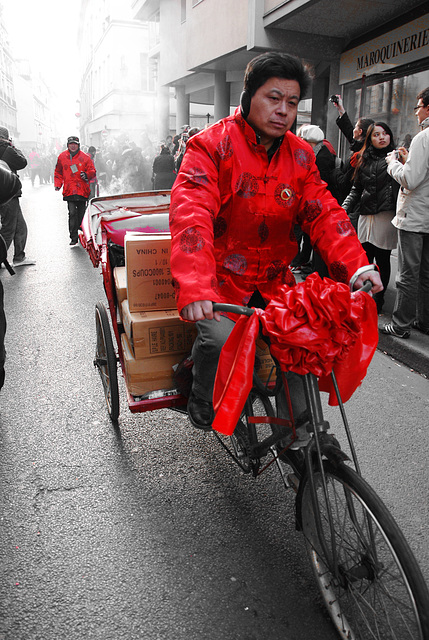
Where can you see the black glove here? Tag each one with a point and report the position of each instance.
(83, 175)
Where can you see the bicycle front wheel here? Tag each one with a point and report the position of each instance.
(369, 579)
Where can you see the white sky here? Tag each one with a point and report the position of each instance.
(45, 32)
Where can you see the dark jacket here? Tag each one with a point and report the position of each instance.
(163, 169)
(14, 158)
(325, 162)
(373, 188)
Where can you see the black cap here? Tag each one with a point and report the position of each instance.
(74, 139)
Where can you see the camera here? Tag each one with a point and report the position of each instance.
(334, 99)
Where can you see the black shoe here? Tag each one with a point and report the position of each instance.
(418, 326)
(200, 413)
(73, 243)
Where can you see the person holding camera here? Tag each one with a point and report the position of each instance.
(13, 225)
(74, 171)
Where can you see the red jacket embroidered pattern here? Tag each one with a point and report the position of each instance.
(232, 216)
(73, 183)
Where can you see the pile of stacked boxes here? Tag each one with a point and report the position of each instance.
(155, 339)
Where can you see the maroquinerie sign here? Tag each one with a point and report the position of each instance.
(400, 46)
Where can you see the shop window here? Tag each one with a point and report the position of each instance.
(389, 100)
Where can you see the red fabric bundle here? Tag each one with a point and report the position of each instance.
(314, 327)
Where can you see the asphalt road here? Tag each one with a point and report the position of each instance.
(150, 532)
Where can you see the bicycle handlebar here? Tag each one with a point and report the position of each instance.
(247, 311)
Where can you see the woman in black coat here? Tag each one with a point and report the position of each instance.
(163, 170)
(375, 192)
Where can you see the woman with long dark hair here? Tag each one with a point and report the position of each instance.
(375, 192)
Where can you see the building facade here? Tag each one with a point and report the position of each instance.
(203, 47)
(118, 80)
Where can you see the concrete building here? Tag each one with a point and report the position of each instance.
(118, 79)
(374, 53)
(8, 117)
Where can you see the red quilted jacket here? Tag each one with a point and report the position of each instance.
(72, 183)
(232, 216)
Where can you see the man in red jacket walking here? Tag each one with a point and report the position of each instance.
(74, 171)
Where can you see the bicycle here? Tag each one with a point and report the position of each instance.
(370, 582)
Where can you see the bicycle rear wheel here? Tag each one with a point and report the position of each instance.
(369, 579)
(105, 361)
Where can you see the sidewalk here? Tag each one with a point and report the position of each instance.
(414, 351)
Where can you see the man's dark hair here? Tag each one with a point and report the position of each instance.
(424, 96)
(275, 65)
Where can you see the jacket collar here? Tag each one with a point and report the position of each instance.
(425, 123)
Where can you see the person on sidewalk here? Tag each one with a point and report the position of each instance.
(375, 192)
(13, 225)
(74, 171)
(243, 184)
(411, 170)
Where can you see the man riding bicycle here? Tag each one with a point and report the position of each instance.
(243, 184)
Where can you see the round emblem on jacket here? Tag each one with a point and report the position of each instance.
(197, 175)
(284, 195)
(224, 148)
(310, 211)
(275, 269)
(235, 263)
(302, 158)
(345, 228)
(191, 241)
(339, 272)
(246, 185)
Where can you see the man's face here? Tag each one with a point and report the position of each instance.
(422, 112)
(73, 146)
(273, 109)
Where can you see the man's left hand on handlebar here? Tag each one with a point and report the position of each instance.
(372, 276)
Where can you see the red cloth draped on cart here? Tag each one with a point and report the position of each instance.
(314, 327)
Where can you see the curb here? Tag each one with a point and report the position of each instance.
(412, 352)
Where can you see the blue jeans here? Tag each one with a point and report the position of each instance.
(412, 280)
(14, 228)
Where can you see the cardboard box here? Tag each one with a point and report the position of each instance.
(149, 374)
(156, 333)
(147, 262)
(264, 364)
(120, 278)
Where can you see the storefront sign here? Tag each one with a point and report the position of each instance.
(400, 46)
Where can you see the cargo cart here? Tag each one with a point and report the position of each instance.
(106, 221)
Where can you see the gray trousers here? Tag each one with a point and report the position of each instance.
(208, 344)
(412, 280)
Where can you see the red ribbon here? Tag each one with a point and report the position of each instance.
(315, 327)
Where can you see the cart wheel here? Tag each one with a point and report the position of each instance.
(105, 361)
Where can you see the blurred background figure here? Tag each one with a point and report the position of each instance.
(35, 165)
(163, 170)
(14, 227)
(93, 183)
